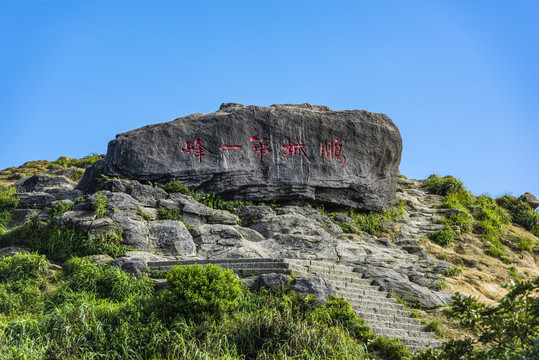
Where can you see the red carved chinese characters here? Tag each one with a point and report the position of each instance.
(333, 150)
(260, 146)
(230, 147)
(295, 149)
(197, 149)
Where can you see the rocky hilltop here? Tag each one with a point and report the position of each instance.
(191, 191)
(275, 153)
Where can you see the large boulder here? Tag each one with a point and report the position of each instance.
(275, 153)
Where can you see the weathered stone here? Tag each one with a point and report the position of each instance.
(530, 199)
(85, 222)
(11, 250)
(275, 153)
(295, 236)
(318, 287)
(36, 200)
(41, 182)
(249, 214)
(65, 172)
(134, 229)
(22, 215)
(147, 195)
(90, 179)
(227, 241)
(172, 237)
(119, 185)
(116, 200)
(223, 217)
(189, 205)
(134, 266)
(270, 281)
(100, 259)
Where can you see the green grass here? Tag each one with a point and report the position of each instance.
(371, 222)
(481, 215)
(65, 162)
(100, 205)
(61, 243)
(210, 200)
(91, 311)
(442, 237)
(8, 202)
(59, 208)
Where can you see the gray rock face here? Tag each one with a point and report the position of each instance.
(313, 285)
(172, 237)
(275, 153)
(43, 182)
(530, 199)
(270, 281)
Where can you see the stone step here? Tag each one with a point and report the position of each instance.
(215, 262)
(360, 303)
(385, 311)
(383, 324)
(357, 283)
(399, 333)
(368, 316)
(420, 342)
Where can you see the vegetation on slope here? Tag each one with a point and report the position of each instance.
(10, 175)
(90, 311)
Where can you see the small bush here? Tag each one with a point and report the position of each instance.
(454, 271)
(169, 214)
(22, 267)
(197, 292)
(390, 349)
(498, 253)
(106, 281)
(443, 186)
(60, 243)
(524, 244)
(100, 205)
(338, 312)
(521, 213)
(65, 162)
(443, 237)
(506, 331)
(8, 198)
(59, 208)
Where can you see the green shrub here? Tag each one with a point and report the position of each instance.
(454, 271)
(60, 243)
(443, 186)
(442, 237)
(59, 208)
(521, 213)
(100, 205)
(373, 222)
(8, 198)
(103, 280)
(390, 349)
(169, 214)
(338, 312)
(210, 200)
(197, 292)
(22, 267)
(509, 330)
(65, 162)
(524, 244)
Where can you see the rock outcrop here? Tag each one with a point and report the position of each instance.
(275, 153)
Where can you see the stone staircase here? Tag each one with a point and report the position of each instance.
(381, 312)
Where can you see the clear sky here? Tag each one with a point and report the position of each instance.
(459, 78)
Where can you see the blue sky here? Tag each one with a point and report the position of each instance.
(459, 78)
